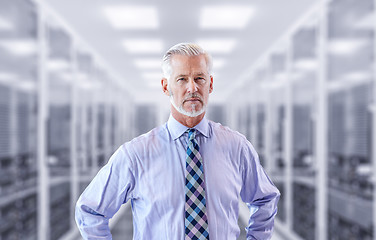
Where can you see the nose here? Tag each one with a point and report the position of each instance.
(192, 86)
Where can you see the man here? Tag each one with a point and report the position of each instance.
(184, 178)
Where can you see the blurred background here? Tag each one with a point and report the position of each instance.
(296, 77)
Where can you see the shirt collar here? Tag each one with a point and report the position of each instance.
(177, 129)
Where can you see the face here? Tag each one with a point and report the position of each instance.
(189, 84)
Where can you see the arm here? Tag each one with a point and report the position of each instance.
(111, 187)
(260, 194)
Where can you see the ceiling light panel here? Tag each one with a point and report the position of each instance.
(153, 76)
(143, 45)
(217, 45)
(19, 47)
(345, 46)
(225, 17)
(361, 75)
(27, 85)
(307, 64)
(148, 63)
(57, 64)
(7, 76)
(132, 17)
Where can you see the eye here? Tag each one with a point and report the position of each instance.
(200, 79)
(180, 79)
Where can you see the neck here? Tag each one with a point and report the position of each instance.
(185, 120)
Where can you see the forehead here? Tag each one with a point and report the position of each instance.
(185, 63)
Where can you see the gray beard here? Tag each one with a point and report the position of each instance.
(181, 110)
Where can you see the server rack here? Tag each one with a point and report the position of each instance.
(18, 117)
(61, 117)
(217, 113)
(319, 98)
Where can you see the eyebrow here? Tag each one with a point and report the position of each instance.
(181, 75)
(185, 75)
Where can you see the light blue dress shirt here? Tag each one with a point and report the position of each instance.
(150, 172)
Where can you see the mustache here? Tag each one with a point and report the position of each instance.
(193, 95)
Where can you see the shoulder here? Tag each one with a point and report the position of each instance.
(156, 136)
(232, 138)
(218, 130)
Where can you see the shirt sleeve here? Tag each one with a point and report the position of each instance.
(260, 195)
(111, 187)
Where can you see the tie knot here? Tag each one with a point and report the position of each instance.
(191, 133)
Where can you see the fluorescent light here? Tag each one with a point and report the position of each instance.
(217, 45)
(225, 17)
(14, 80)
(345, 46)
(5, 25)
(284, 76)
(19, 47)
(307, 64)
(27, 85)
(143, 45)
(132, 17)
(7, 76)
(89, 85)
(359, 75)
(66, 76)
(280, 80)
(349, 80)
(147, 63)
(57, 64)
(153, 76)
(364, 169)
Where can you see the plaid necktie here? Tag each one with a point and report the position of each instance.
(196, 221)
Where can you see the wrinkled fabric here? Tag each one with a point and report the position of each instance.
(149, 171)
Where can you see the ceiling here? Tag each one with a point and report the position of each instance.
(180, 21)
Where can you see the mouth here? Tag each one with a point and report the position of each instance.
(193, 100)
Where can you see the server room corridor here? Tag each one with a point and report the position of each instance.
(297, 78)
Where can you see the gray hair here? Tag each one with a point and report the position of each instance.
(187, 49)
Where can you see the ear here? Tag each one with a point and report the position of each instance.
(164, 83)
(211, 84)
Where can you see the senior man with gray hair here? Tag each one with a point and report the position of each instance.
(185, 178)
